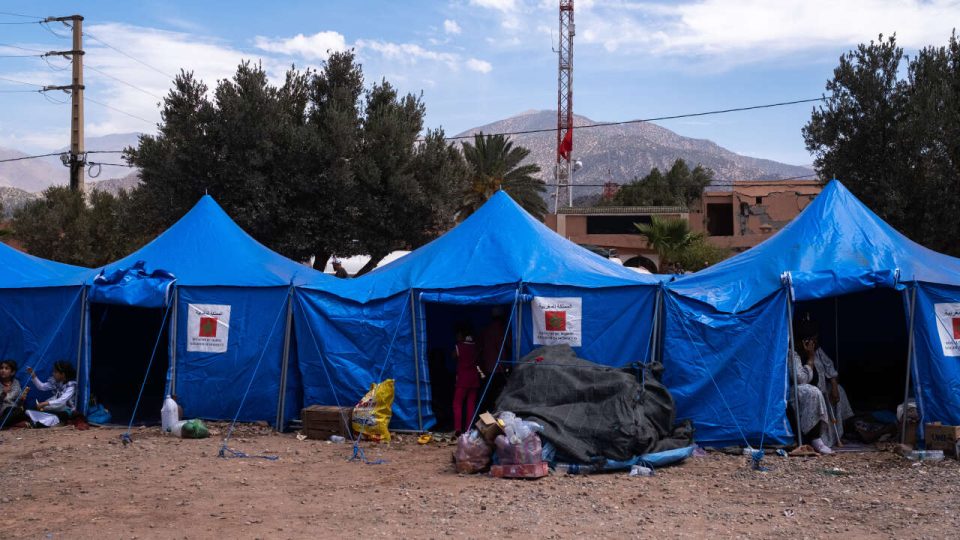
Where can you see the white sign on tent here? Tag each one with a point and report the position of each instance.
(948, 325)
(208, 328)
(556, 321)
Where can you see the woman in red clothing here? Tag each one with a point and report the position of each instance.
(468, 379)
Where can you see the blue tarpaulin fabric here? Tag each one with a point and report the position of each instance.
(132, 286)
(736, 313)
(937, 352)
(40, 310)
(215, 262)
(496, 253)
(727, 372)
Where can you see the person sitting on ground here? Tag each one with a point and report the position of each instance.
(11, 396)
(820, 395)
(468, 379)
(62, 383)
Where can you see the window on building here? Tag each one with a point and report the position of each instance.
(615, 224)
(720, 219)
(759, 200)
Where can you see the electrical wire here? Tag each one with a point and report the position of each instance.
(119, 110)
(20, 82)
(30, 157)
(12, 46)
(642, 120)
(21, 15)
(135, 59)
(19, 55)
(135, 87)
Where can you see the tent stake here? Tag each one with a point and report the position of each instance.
(912, 301)
(793, 372)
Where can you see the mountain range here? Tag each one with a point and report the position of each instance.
(619, 153)
(616, 153)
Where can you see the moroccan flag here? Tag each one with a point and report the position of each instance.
(566, 145)
(956, 328)
(556, 321)
(208, 327)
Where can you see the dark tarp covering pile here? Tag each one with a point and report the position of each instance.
(589, 411)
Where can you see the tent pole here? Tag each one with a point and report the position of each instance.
(518, 326)
(912, 300)
(173, 341)
(836, 332)
(285, 363)
(85, 396)
(416, 357)
(793, 372)
(655, 331)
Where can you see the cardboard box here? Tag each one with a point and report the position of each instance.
(526, 470)
(489, 427)
(940, 437)
(322, 421)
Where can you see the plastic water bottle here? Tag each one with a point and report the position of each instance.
(169, 414)
(337, 439)
(640, 470)
(177, 428)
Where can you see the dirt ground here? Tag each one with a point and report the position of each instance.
(64, 483)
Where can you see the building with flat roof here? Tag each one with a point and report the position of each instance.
(736, 216)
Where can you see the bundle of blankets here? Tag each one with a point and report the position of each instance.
(591, 412)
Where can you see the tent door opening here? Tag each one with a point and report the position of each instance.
(442, 322)
(122, 339)
(865, 334)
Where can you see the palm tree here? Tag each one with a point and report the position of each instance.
(495, 164)
(668, 237)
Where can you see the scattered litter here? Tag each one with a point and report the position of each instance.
(640, 470)
(425, 438)
(788, 512)
(301, 436)
(836, 471)
(925, 455)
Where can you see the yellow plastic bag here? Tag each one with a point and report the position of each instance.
(371, 416)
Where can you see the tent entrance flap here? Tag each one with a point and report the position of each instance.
(442, 323)
(866, 336)
(121, 342)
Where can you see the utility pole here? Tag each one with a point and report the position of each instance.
(564, 169)
(77, 159)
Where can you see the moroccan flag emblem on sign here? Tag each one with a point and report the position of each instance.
(208, 327)
(556, 321)
(956, 328)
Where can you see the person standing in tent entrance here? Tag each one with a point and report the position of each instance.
(63, 403)
(493, 337)
(468, 379)
(823, 402)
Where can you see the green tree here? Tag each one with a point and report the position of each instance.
(668, 237)
(62, 226)
(495, 163)
(894, 140)
(314, 166)
(680, 186)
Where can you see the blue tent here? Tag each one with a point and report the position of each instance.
(727, 329)
(40, 310)
(390, 322)
(220, 301)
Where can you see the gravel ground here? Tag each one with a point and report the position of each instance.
(63, 483)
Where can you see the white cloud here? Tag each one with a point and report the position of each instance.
(314, 47)
(480, 66)
(410, 53)
(499, 5)
(451, 27)
(759, 29)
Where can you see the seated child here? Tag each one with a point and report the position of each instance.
(63, 404)
(11, 400)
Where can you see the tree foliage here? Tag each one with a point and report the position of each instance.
(680, 248)
(314, 166)
(679, 186)
(893, 136)
(494, 164)
(62, 226)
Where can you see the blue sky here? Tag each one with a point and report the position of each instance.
(475, 61)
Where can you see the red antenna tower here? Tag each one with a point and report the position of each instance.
(564, 170)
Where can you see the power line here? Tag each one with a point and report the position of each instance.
(20, 22)
(12, 46)
(151, 122)
(19, 55)
(30, 157)
(18, 91)
(20, 15)
(102, 42)
(135, 87)
(642, 120)
(20, 82)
